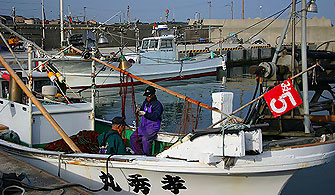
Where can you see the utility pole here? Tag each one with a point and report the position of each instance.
(128, 8)
(173, 20)
(232, 9)
(231, 5)
(210, 28)
(85, 14)
(210, 6)
(242, 9)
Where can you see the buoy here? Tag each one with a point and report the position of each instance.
(52, 76)
(60, 77)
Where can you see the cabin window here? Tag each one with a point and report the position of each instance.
(145, 44)
(166, 44)
(153, 44)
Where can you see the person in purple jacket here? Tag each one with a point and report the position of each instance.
(151, 112)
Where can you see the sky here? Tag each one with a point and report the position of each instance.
(154, 10)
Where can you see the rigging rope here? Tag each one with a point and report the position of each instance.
(188, 118)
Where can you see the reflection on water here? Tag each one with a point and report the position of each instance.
(200, 89)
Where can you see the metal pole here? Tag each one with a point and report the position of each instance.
(210, 6)
(220, 41)
(85, 14)
(70, 18)
(232, 9)
(13, 13)
(307, 121)
(293, 39)
(61, 24)
(93, 91)
(282, 37)
(30, 106)
(242, 9)
(137, 30)
(210, 28)
(38, 104)
(43, 25)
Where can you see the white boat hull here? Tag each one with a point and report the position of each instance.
(266, 173)
(79, 76)
(16, 117)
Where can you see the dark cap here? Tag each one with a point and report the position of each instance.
(118, 120)
(149, 91)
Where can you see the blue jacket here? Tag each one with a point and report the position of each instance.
(156, 107)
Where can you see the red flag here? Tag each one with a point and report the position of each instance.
(282, 98)
(5, 75)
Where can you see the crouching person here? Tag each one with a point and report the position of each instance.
(111, 142)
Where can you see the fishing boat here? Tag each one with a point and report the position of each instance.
(157, 60)
(254, 156)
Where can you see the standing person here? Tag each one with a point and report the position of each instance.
(111, 142)
(151, 112)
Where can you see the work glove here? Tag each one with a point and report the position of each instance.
(141, 113)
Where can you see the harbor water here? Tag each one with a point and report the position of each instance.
(200, 89)
(310, 181)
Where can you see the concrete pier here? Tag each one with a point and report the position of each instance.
(37, 177)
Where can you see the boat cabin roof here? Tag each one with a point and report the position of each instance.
(169, 37)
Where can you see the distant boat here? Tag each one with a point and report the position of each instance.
(156, 61)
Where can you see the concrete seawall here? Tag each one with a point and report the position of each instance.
(319, 30)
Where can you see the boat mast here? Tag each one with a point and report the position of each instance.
(93, 90)
(30, 105)
(61, 24)
(307, 121)
(43, 25)
(293, 38)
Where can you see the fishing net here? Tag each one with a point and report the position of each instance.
(85, 140)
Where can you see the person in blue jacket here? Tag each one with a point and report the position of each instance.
(151, 112)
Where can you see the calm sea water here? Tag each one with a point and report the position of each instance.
(200, 89)
(310, 181)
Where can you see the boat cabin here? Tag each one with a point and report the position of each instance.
(40, 79)
(160, 49)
